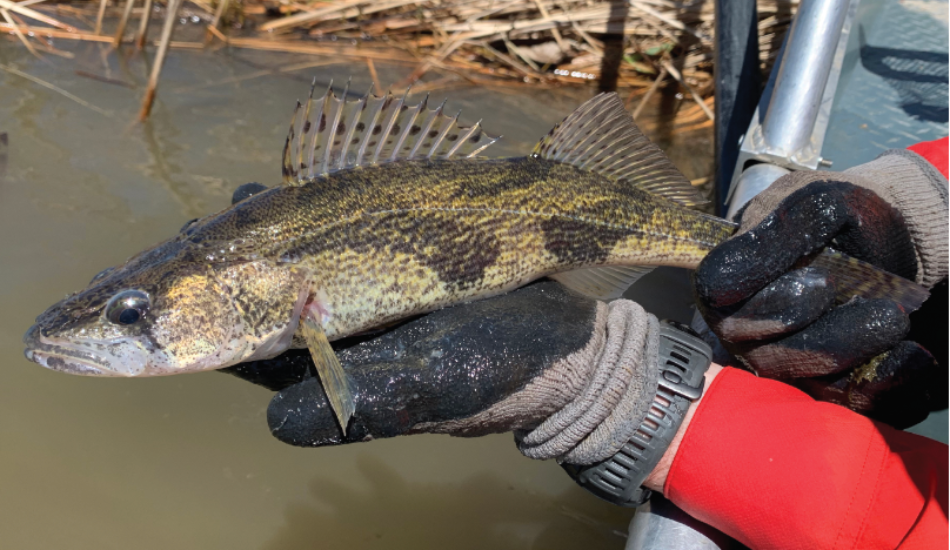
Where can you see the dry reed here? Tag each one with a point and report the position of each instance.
(528, 42)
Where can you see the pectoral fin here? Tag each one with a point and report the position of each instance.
(334, 380)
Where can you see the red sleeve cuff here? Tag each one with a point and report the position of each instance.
(771, 467)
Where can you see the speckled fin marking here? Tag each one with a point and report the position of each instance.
(601, 136)
(602, 283)
(332, 134)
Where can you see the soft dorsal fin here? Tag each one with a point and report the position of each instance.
(601, 136)
(335, 134)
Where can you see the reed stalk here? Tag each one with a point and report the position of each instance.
(164, 42)
(142, 33)
(120, 30)
(100, 15)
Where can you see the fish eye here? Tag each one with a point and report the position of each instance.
(127, 307)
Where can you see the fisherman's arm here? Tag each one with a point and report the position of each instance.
(773, 468)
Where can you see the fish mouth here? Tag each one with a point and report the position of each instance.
(76, 358)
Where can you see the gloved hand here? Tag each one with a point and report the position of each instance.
(573, 376)
(780, 320)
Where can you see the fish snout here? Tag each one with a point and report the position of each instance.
(72, 359)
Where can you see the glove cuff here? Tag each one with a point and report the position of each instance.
(683, 361)
(602, 417)
(919, 192)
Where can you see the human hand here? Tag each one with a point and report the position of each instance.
(780, 320)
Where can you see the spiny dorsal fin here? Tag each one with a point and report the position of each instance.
(602, 283)
(335, 134)
(601, 136)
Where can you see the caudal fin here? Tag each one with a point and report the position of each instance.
(852, 277)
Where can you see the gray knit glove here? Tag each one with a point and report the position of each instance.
(780, 321)
(573, 376)
(906, 181)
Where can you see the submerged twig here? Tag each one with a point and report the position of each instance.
(105, 79)
(55, 88)
(49, 49)
(258, 74)
(216, 33)
(218, 14)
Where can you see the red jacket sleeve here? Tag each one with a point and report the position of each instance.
(773, 468)
(935, 152)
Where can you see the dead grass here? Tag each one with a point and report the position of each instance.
(637, 44)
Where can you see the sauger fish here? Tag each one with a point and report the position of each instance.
(387, 212)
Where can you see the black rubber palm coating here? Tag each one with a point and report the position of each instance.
(851, 219)
(842, 339)
(449, 365)
(896, 388)
(787, 304)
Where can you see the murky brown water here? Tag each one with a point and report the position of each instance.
(188, 462)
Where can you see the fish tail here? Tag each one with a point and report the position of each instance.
(853, 277)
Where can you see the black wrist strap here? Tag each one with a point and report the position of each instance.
(683, 359)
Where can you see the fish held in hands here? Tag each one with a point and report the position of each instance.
(386, 211)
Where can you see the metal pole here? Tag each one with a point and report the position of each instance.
(660, 525)
(738, 85)
(809, 55)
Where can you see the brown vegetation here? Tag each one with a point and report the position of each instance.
(635, 45)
